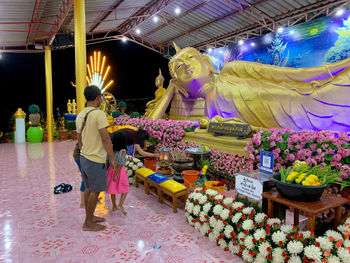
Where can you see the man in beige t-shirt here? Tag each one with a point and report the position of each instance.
(94, 142)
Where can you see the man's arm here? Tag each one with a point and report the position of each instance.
(107, 144)
(80, 140)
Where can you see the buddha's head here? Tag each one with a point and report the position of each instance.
(159, 79)
(191, 72)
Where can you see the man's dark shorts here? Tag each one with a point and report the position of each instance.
(94, 175)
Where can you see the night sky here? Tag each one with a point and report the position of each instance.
(133, 69)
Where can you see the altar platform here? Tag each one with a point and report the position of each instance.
(224, 143)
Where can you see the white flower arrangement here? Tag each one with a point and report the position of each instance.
(228, 201)
(295, 259)
(248, 224)
(219, 226)
(247, 210)
(313, 252)
(219, 197)
(260, 239)
(196, 209)
(331, 233)
(260, 217)
(263, 248)
(224, 214)
(132, 164)
(248, 242)
(236, 218)
(287, 228)
(279, 238)
(218, 209)
(260, 234)
(295, 247)
(228, 230)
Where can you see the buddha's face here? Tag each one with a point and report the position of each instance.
(191, 71)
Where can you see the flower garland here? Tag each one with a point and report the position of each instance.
(257, 238)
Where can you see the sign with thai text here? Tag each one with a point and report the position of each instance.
(235, 129)
(249, 187)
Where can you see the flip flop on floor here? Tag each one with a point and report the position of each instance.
(62, 188)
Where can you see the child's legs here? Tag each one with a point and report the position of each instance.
(113, 201)
(122, 199)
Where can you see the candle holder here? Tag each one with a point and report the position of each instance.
(164, 162)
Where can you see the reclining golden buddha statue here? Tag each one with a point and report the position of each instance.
(262, 95)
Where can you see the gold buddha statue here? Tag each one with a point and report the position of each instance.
(158, 93)
(262, 95)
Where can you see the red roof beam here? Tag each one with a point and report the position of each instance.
(33, 19)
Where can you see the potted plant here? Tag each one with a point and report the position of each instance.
(135, 115)
(303, 182)
(34, 132)
(122, 106)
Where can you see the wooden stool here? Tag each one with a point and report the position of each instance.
(140, 176)
(151, 187)
(311, 208)
(139, 180)
(172, 198)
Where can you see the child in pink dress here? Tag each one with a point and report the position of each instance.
(118, 179)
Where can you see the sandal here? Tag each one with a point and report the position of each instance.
(67, 188)
(62, 188)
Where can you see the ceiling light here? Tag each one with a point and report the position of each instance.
(124, 39)
(280, 29)
(138, 31)
(155, 19)
(210, 49)
(339, 12)
(240, 42)
(220, 51)
(177, 10)
(291, 32)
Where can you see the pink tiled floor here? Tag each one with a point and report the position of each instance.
(38, 226)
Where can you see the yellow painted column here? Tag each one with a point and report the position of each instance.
(48, 77)
(80, 52)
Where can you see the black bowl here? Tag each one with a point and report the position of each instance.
(297, 192)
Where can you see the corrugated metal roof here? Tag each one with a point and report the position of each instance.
(199, 21)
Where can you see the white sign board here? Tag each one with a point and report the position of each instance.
(249, 187)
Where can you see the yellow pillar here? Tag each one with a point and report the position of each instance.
(80, 52)
(48, 77)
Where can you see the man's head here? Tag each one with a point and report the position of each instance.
(93, 95)
(190, 70)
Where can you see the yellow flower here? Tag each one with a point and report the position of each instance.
(300, 177)
(291, 176)
(305, 183)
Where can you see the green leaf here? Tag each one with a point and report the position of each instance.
(283, 146)
(285, 136)
(347, 159)
(328, 157)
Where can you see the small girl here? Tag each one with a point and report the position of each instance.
(118, 179)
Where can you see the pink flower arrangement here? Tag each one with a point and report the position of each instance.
(230, 163)
(167, 131)
(313, 147)
(223, 162)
